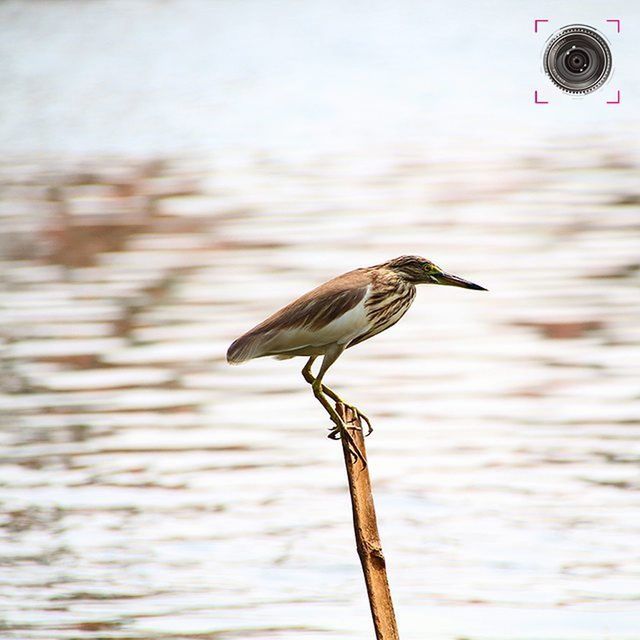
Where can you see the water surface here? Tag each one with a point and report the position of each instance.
(149, 490)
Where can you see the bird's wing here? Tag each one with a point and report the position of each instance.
(332, 313)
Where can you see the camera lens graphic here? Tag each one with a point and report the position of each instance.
(577, 59)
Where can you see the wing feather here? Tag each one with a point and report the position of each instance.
(332, 311)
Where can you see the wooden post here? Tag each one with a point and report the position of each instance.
(365, 526)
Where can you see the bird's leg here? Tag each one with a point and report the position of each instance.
(340, 427)
(306, 370)
(308, 376)
(318, 391)
(336, 398)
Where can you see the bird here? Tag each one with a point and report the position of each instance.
(338, 315)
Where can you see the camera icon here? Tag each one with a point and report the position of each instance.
(577, 59)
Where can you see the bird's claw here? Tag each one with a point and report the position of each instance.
(360, 417)
(363, 417)
(334, 434)
(338, 432)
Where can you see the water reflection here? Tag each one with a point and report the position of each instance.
(149, 490)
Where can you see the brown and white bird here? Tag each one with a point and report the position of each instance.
(340, 314)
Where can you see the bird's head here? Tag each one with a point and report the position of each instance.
(419, 270)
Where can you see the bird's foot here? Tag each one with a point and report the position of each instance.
(362, 418)
(339, 432)
(356, 413)
(342, 431)
(357, 418)
(334, 434)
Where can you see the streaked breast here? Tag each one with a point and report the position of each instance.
(384, 306)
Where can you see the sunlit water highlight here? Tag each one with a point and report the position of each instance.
(151, 491)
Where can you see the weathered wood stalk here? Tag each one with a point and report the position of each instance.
(365, 527)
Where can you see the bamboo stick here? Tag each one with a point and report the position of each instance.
(365, 527)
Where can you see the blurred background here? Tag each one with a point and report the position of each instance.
(174, 171)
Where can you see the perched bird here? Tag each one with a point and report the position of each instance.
(337, 315)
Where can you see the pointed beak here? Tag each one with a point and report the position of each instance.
(454, 281)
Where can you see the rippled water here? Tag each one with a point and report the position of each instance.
(151, 491)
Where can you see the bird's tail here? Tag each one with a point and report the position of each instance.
(244, 348)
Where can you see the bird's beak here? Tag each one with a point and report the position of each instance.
(454, 281)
